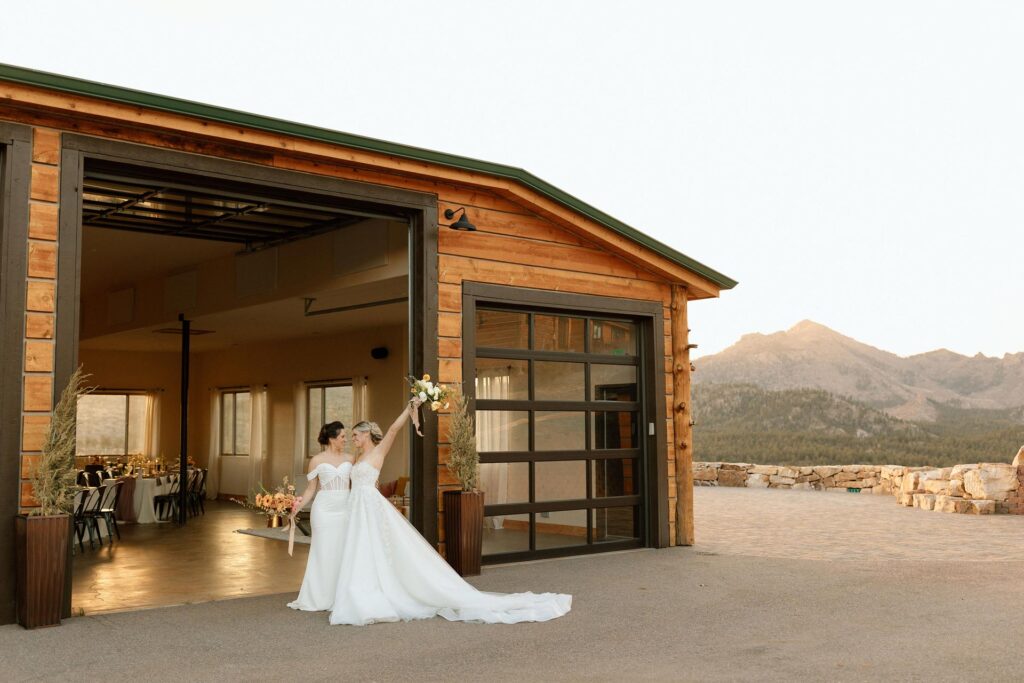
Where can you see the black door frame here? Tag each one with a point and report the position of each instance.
(650, 317)
(418, 208)
(15, 179)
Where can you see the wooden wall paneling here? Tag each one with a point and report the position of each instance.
(42, 221)
(514, 250)
(449, 297)
(455, 269)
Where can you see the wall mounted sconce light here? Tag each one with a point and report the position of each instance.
(462, 223)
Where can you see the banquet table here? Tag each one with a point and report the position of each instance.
(146, 489)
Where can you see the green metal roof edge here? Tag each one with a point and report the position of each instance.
(176, 105)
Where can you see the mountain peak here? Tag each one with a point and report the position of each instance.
(811, 355)
(807, 325)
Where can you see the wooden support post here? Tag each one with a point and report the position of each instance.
(681, 416)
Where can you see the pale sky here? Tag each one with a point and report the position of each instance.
(859, 163)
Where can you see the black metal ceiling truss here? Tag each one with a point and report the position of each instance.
(202, 208)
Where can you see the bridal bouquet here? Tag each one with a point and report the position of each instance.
(434, 395)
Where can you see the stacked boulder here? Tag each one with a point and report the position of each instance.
(980, 489)
(862, 478)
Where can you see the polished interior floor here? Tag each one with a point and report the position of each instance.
(157, 565)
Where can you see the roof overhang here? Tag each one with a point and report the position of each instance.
(508, 180)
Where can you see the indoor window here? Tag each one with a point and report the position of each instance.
(235, 422)
(111, 424)
(327, 403)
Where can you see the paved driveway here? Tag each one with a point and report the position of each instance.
(814, 525)
(745, 604)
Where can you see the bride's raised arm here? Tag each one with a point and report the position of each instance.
(381, 450)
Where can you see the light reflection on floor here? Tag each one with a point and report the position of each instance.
(157, 565)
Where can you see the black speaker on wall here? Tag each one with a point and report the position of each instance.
(379, 352)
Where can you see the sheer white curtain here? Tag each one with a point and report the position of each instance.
(153, 424)
(258, 438)
(492, 435)
(301, 435)
(213, 459)
(360, 401)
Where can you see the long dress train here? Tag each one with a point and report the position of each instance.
(328, 520)
(389, 572)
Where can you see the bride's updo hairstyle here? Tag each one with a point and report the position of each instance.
(329, 431)
(372, 428)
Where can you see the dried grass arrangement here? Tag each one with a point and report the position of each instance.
(53, 478)
(463, 458)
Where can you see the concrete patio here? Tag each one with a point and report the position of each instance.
(782, 585)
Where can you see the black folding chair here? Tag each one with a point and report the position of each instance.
(196, 491)
(201, 496)
(169, 499)
(77, 515)
(90, 506)
(108, 509)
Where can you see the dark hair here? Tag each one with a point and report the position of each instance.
(329, 431)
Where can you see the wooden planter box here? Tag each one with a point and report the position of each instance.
(41, 544)
(464, 530)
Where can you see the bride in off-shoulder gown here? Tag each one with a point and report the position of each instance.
(329, 482)
(389, 572)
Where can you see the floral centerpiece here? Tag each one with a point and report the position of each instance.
(426, 391)
(274, 504)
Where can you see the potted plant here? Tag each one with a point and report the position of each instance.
(42, 536)
(464, 508)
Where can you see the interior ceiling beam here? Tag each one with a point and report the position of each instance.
(234, 238)
(270, 220)
(226, 215)
(308, 303)
(178, 207)
(309, 231)
(245, 195)
(126, 221)
(124, 205)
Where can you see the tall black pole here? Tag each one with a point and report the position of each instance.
(183, 463)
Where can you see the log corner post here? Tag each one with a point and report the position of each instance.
(682, 417)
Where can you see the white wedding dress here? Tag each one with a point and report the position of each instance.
(328, 520)
(389, 572)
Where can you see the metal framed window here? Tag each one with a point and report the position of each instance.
(111, 423)
(235, 421)
(560, 404)
(327, 401)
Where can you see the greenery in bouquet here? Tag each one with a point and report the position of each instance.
(278, 502)
(434, 395)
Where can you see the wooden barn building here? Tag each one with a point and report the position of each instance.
(316, 270)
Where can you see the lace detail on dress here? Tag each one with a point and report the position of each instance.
(332, 478)
(364, 474)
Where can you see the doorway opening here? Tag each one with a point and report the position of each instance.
(299, 306)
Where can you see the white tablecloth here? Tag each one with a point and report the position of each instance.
(146, 490)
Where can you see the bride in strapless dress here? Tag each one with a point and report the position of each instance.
(329, 482)
(390, 573)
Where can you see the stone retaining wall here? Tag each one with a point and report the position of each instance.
(981, 489)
